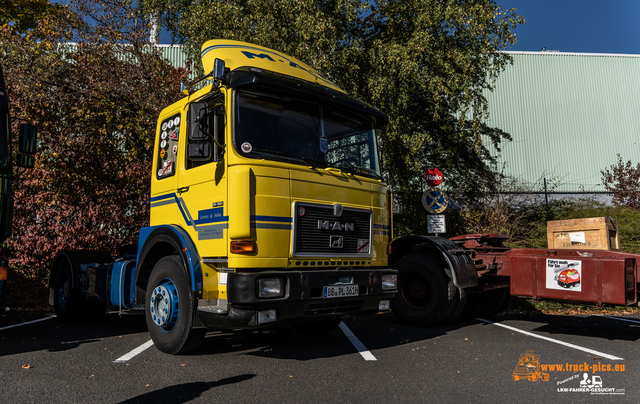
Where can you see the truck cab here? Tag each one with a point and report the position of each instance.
(267, 204)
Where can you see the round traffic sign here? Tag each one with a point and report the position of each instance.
(434, 177)
(434, 200)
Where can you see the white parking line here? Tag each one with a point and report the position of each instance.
(622, 319)
(613, 358)
(368, 356)
(141, 348)
(25, 323)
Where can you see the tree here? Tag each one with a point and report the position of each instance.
(23, 15)
(95, 103)
(623, 181)
(425, 63)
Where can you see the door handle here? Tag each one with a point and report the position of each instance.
(183, 189)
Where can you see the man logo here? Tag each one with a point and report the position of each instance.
(336, 242)
(327, 225)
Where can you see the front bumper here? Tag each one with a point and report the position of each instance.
(302, 300)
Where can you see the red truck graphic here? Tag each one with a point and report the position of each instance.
(569, 278)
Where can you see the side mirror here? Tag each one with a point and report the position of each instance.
(198, 121)
(27, 146)
(199, 151)
(27, 139)
(25, 161)
(218, 69)
(204, 133)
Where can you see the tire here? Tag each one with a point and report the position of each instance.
(460, 305)
(317, 327)
(488, 303)
(426, 295)
(69, 304)
(170, 308)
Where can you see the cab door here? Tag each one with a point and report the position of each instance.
(202, 184)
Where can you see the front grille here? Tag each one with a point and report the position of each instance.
(317, 232)
(349, 306)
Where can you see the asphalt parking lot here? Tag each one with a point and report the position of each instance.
(372, 359)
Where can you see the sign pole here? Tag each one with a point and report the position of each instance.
(435, 201)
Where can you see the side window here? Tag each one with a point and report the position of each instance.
(168, 146)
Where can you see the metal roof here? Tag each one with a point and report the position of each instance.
(569, 114)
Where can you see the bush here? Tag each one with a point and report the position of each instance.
(623, 181)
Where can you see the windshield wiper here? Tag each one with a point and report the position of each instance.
(311, 162)
(280, 154)
(317, 163)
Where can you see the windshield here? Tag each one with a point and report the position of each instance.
(277, 125)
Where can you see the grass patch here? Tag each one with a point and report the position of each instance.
(522, 305)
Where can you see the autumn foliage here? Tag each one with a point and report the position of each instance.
(623, 181)
(94, 91)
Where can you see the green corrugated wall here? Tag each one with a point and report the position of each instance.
(174, 54)
(569, 116)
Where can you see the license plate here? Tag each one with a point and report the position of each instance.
(340, 291)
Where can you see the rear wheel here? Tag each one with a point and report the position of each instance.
(69, 304)
(170, 308)
(426, 295)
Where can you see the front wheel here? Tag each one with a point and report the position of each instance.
(170, 308)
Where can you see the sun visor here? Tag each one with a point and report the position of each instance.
(240, 54)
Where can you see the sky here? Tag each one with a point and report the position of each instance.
(583, 26)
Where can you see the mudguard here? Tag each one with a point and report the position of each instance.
(175, 236)
(463, 271)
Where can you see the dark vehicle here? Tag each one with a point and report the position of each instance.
(26, 149)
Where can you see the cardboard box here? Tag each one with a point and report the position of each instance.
(595, 233)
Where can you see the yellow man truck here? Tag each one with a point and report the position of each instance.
(267, 206)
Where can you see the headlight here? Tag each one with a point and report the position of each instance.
(389, 282)
(270, 288)
(267, 316)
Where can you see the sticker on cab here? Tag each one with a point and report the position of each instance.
(246, 147)
(174, 134)
(166, 170)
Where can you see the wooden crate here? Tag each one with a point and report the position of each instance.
(597, 233)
